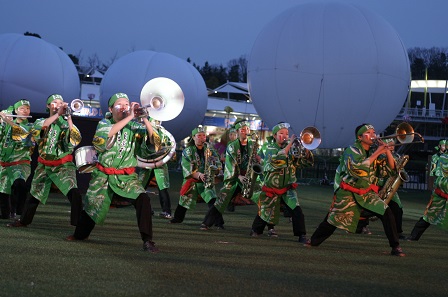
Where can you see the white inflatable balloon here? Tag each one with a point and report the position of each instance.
(33, 69)
(330, 65)
(131, 72)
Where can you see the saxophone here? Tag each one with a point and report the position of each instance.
(209, 166)
(253, 169)
(394, 182)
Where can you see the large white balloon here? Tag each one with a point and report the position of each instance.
(131, 72)
(330, 65)
(33, 69)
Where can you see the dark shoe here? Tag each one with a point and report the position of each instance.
(149, 246)
(175, 221)
(73, 238)
(402, 237)
(397, 252)
(165, 215)
(254, 234)
(16, 223)
(204, 227)
(366, 230)
(303, 239)
(307, 243)
(411, 238)
(272, 233)
(220, 227)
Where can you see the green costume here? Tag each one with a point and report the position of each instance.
(434, 170)
(237, 159)
(55, 142)
(436, 209)
(355, 171)
(279, 173)
(15, 154)
(193, 161)
(161, 173)
(119, 153)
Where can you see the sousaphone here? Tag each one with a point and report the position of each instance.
(163, 100)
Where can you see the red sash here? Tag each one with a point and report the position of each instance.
(111, 170)
(439, 192)
(187, 185)
(271, 192)
(7, 164)
(57, 162)
(358, 191)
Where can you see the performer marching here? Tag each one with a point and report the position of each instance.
(118, 140)
(197, 159)
(56, 138)
(15, 159)
(358, 190)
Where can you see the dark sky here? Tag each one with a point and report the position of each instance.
(204, 30)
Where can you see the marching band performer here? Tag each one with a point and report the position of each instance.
(15, 159)
(117, 141)
(194, 178)
(238, 153)
(56, 138)
(279, 183)
(162, 177)
(436, 209)
(358, 190)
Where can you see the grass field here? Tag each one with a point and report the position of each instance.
(37, 261)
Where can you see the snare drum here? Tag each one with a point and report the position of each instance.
(85, 159)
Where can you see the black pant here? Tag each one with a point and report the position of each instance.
(213, 217)
(165, 202)
(143, 211)
(419, 228)
(298, 222)
(5, 206)
(164, 196)
(13, 203)
(325, 229)
(31, 204)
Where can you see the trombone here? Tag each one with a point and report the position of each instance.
(404, 133)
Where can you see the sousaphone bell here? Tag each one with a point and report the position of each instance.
(163, 100)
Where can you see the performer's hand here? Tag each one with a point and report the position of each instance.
(242, 179)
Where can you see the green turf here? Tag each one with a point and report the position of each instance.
(37, 261)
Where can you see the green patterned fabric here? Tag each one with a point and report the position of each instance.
(193, 161)
(14, 149)
(119, 152)
(436, 210)
(279, 172)
(355, 170)
(54, 142)
(235, 165)
(435, 170)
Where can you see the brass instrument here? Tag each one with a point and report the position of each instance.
(75, 106)
(163, 100)
(209, 166)
(309, 139)
(404, 133)
(394, 182)
(253, 170)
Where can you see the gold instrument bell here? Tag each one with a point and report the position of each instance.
(163, 98)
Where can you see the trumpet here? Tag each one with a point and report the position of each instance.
(404, 133)
(309, 139)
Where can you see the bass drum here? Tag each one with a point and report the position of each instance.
(86, 159)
